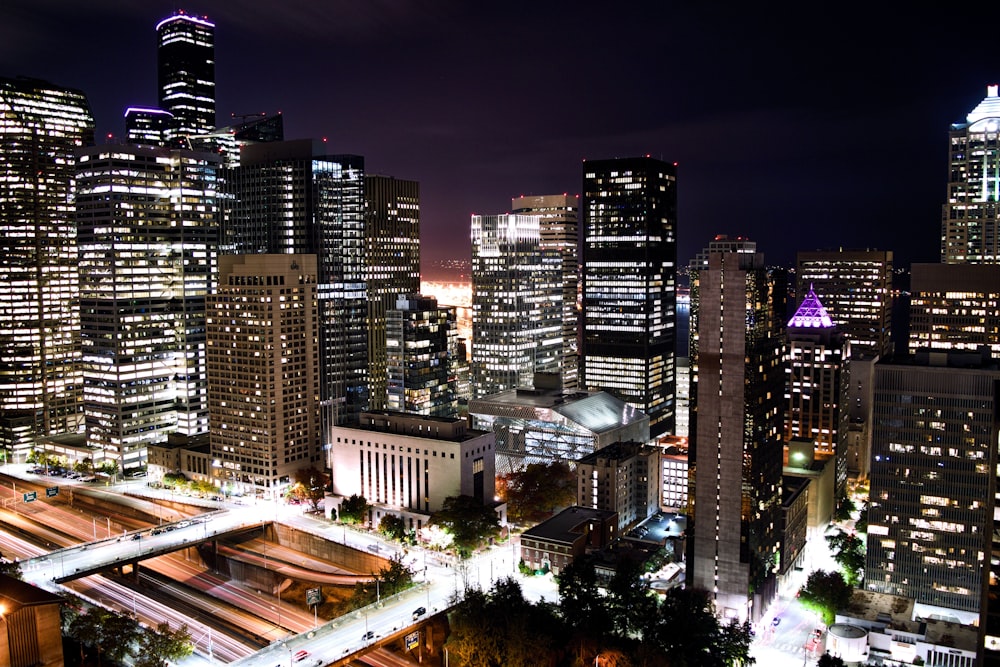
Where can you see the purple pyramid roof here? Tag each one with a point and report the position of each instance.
(811, 314)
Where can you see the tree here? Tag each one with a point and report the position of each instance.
(160, 645)
(391, 579)
(734, 643)
(393, 527)
(108, 467)
(354, 510)
(827, 660)
(106, 632)
(628, 598)
(825, 593)
(310, 485)
(849, 553)
(10, 568)
(581, 603)
(469, 522)
(686, 628)
(861, 525)
(535, 492)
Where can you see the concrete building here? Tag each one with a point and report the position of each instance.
(557, 542)
(407, 465)
(557, 218)
(30, 625)
(147, 261)
(188, 455)
(41, 127)
(541, 425)
(623, 477)
(263, 390)
(955, 307)
(629, 257)
(737, 453)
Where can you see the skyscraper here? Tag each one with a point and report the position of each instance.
(816, 388)
(969, 230)
(856, 288)
(629, 292)
(955, 307)
(186, 74)
(291, 197)
(41, 127)
(738, 444)
(392, 257)
(147, 262)
(560, 233)
(264, 372)
(516, 304)
(933, 482)
(420, 342)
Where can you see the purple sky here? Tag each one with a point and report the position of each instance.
(802, 126)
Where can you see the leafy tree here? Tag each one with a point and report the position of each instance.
(393, 527)
(849, 553)
(844, 508)
(310, 486)
(686, 628)
(827, 660)
(391, 579)
(469, 522)
(10, 568)
(160, 645)
(629, 600)
(580, 601)
(825, 593)
(108, 467)
(734, 643)
(861, 525)
(534, 493)
(108, 633)
(354, 510)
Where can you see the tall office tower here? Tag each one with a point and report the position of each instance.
(970, 233)
(931, 518)
(392, 252)
(291, 197)
(738, 441)
(629, 284)
(856, 288)
(147, 127)
(147, 262)
(186, 74)
(264, 371)
(817, 384)
(516, 304)
(420, 340)
(955, 307)
(560, 233)
(41, 127)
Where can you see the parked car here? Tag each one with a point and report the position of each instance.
(301, 655)
(368, 636)
(418, 612)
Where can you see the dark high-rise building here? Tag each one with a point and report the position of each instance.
(186, 73)
(955, 307)
(856, 288)
(629, 262)
(147, 127)
(41, 127)
(392, 257)
(970, 233)
(932, 531)
(560, 233)
(737, 453)
(291, 197)
(147, 264)
(816, 389)
(420, 343)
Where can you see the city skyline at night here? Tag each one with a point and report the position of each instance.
(774, 120)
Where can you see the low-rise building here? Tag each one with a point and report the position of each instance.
(557, 542)
(30, 625)
(622, 477)
(189, 455)
(406, 465)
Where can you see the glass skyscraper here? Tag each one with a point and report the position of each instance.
(421, 338)
(629, 292)
(186, 74)
(148, 230)
(41, 127)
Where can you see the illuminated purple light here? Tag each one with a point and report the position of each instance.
(811, 314)
(150, 110)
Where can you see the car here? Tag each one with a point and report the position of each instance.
(418, 612)
(301, 655)
(373, 548)
(776, 622)
(368, 636)
(137, 536)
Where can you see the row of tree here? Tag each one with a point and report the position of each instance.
(108, 635)
(616, 623)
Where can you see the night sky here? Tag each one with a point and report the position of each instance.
(804, 126)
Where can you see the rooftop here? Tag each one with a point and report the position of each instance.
(596, 411)
(568, 525)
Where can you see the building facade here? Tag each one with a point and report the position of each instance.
(392, 257)
(737, 453)
(420, 343)
(407, 465)
(560, 231)
(516, 304)
(628, 321)
(623, 477)
(558, 542)
(855, 286)
(264, 372)
(147, 261)
(292, 197)
(817, 384)
(955, 307)
(970, 233)
(41, 127)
